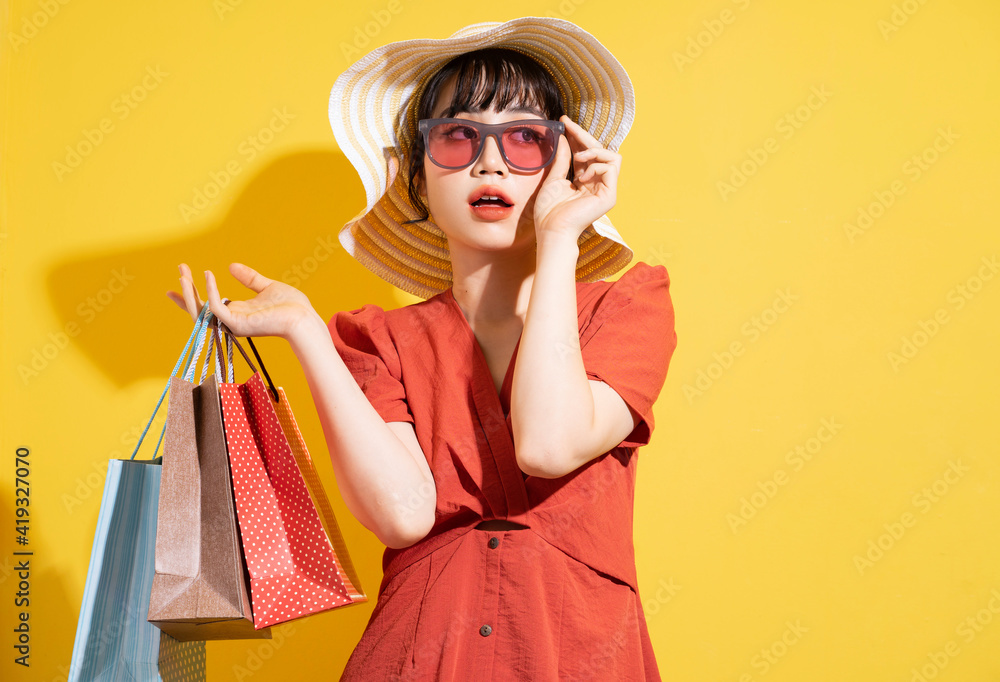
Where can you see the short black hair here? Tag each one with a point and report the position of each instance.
(497, 77)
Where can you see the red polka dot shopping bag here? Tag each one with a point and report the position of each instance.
(200, 591)
(297, 566)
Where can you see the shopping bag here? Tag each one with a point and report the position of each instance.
(200, 588)
(294, 568)
(114, 641)
(293, 435)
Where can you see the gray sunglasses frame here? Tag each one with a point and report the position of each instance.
(495, 130)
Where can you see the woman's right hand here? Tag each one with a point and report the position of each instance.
(276, 310)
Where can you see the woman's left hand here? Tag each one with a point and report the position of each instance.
(569, 207)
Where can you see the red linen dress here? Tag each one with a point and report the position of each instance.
(557, 600)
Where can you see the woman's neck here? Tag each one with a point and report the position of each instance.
(493, 289)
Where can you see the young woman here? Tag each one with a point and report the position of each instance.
(488, 434)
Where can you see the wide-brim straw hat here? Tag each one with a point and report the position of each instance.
(373, 114)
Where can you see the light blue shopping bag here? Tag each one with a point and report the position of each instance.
(114, 640)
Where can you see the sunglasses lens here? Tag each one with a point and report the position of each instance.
(455, 145)
(529, 147)
(452, 144)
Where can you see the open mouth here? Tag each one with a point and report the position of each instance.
(490, 201)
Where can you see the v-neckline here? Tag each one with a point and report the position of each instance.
(503, 397)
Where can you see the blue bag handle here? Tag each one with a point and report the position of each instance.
(199, 332)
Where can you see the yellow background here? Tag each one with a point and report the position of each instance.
(714, 80)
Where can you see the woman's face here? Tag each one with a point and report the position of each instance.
(449, 193)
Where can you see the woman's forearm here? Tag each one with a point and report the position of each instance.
(552, 406)
(388, 487)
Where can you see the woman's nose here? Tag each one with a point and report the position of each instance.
(490, 160)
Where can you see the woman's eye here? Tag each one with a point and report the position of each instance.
(524, 135)
(460, 132)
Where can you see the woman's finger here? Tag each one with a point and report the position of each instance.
(215, 303)
(576, 143)
(580, 133)
(593, 169)
(249, 277)
(598, 153)
(187, 291)
(186, 273)
(192, 300)
(563, 160)
(179, 300)
(551, 188)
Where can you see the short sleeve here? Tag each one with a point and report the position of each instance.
(363, 341)
(630, 340)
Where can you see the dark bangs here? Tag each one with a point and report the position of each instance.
(491, 77)
(503, 79)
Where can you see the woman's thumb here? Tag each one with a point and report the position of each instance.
(248, 277)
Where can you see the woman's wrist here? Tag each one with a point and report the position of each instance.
(557, 245)
(306, 330)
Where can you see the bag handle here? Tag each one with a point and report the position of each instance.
(192, 362)
(199, 332)
(214, 348)
(230, 341)
(270, 384)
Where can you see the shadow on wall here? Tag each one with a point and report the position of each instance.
(284, 224)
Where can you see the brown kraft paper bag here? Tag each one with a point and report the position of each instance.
(200, 588)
